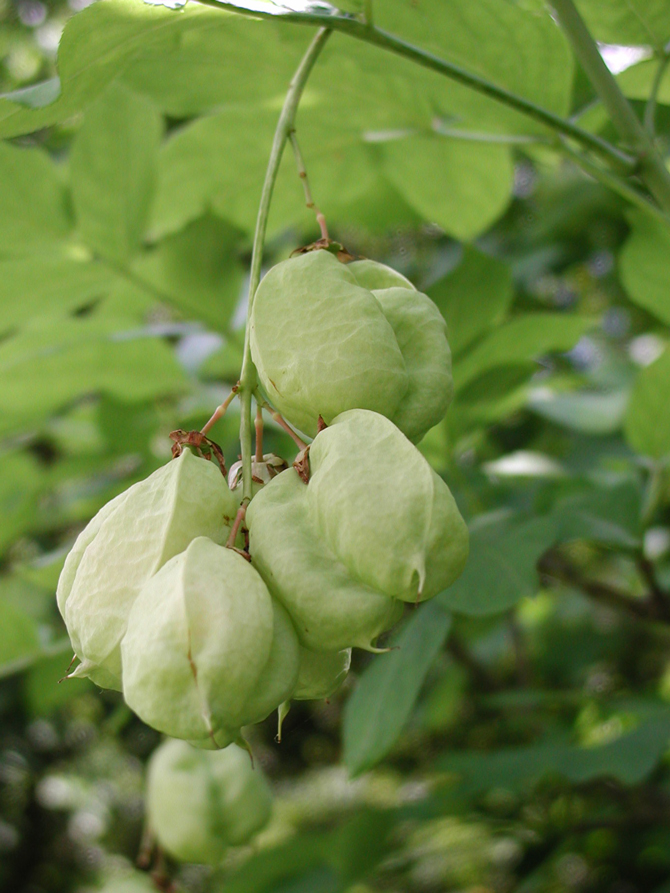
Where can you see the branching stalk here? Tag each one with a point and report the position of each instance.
(616, 184)
(650, 108)
(360, 30)
(248, 378)
(302, 173)
(651, 167)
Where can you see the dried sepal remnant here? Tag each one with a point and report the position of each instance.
(125, 544)
(199, 803)
(327, 337)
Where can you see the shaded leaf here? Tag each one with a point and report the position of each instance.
(71, 358)
(523, 338)
(630, 759)
(376, 713)
(35, 285)
(473, 297)
(501, 568)
(644, 265)
(460, 185)
(198, 271)
(19, 639)
(647, 423)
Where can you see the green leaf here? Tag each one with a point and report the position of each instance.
(19, 639)
(591, 412)
(630, 759)
(473, 297)
(460, 185)
(41, 688)
(267, 869)
(501, 568)
(644, 265)
(523, 338)
(376, 713)
(112, 164)
(20, 484)
(193, 179)
(536, 63)
(234, 60)
(33, 215)
(647, 423)
(96, 45)
(198, 271)
(609, 515)
(645, 22)
(35, 285)
(636, 81)
(71, 358)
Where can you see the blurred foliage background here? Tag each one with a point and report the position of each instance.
(518, 739)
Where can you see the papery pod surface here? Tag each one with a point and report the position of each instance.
(317, 339)
(135, 882)
(331, 611)
(381, 508)
(199, 637)
(327, 337)
(125, 544)
(199, 802)
(373, 527)
(321, 673)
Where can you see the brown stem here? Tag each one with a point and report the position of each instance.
(234, 530)
(282, 424)
(220, 410)
(555, 566)
(302, 173)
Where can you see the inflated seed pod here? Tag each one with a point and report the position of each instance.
(329, 608)
(199, 803)
(321, 673)
(125, 544)
(383, 511)
(128, 882)
(200, 636)
(327, 337)
(373, 527)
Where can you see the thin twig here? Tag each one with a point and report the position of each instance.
(302, 173)
(248, 376)
(281, 421)
(651, 167)
(361, 30)
(650, 108)
(220, 411)
(556, 567)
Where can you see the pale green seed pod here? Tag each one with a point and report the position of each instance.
(199, 803)
(128, 882)
(321, 673)
(200, 636)
(326, 337)
(373, 527)
(383, 511)
(330, 610)
(125, 544)
(373, 275)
